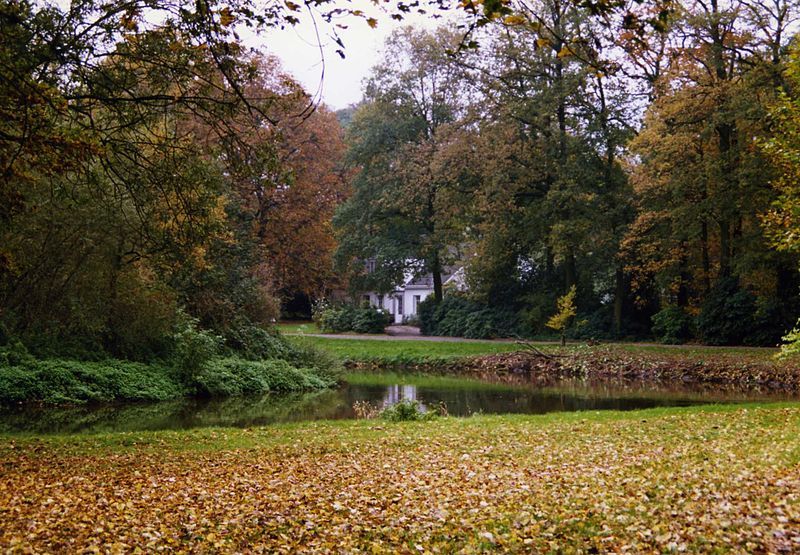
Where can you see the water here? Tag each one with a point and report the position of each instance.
(461, 397)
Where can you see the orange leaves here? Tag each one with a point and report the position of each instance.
(682, 481)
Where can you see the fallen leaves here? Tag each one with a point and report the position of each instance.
(691, 481)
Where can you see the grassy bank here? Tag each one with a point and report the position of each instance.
(388, 349)
(710, 479)
(738, 368)
(399, 351)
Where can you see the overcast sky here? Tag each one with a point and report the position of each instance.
(299, 50)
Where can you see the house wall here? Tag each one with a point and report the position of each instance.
(408, 300)
(390, 302)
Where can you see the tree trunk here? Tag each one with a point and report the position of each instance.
(570, 272)
(436, 270)
(683, 284)
(724, 248)
(619, 298)
(706, 259)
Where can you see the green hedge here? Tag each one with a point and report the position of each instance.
(350, 318)
(458, 316)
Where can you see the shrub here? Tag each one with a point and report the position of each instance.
(458, 316)
(370, 320)
(306, 355)
(426, 314)
(234, 376)
(672, 325)
(349, 318)
(256, 343)
(791, 343)
(726, 316)
(193, 347)
(69, 381)
(407, 411)
(771, 321)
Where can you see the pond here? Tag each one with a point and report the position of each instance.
(461, 398)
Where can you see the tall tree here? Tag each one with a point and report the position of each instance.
(398, 213)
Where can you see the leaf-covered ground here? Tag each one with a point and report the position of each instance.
(717, 479)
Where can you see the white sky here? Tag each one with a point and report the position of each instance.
(299, 51)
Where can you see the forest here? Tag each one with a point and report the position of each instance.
(615, 183)
(161, 178)
(650, 165)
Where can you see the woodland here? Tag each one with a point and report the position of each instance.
(158, 175)
(645, 160)
(610, 173)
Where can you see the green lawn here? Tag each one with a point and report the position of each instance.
(712, 479)
(408, 349)
(398, 350)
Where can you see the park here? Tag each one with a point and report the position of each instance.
(501, 276)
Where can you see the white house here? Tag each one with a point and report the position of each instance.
(403, 301)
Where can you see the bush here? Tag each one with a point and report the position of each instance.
(726, 316)
(791, 346)
(426, 314)
(193, 347)
(68, 381)
(256, 343)
(268, 362)
(235, 376)
(349, 318)
(458, 316)
(407, 411)
(771, 321)
(672, 326)
(307, 355)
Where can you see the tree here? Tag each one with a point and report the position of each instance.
(701, 184)
(398, 213)
(131, 152)
(561, 320)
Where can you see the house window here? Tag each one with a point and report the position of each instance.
(399, 304)
(416, 303)
(366, 301)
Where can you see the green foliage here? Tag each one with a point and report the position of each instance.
(407, 411)
(194, 347)
(458, 316)
(233, 376)
(254, 343)
(726, 316)
(672, 325)
(350, 318)
(305, 354)
(69, 381)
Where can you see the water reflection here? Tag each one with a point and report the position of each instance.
(460, 400)
(397, 393)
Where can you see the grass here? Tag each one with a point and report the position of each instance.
(702, 479)
(393, 351)
(370, 349)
